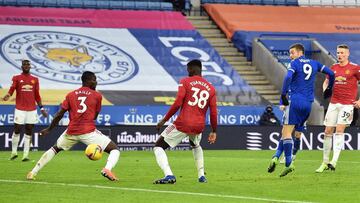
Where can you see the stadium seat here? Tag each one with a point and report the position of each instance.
(257, 2)
(243, 1)
(166, 6)
(280, 2)
(23, 3)
(140, 5)
(102, 4)
(291, 2)
(231, 1)
(10, 2)
(154, 5)
(49, 3)
(130, 5)
(327, 2)
(304, 2)
(116, 5)
(89, 4)
(76, 4)
(37, 3)
(351, 2)
(315, 3)
(268, 2)
(63, 3)
(339, 2)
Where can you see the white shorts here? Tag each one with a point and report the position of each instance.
(25, 117)
(173, 137)
(339, 114)
(66, 141)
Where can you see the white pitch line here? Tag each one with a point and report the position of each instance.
(153, 191)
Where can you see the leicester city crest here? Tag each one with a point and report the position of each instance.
(63, 57)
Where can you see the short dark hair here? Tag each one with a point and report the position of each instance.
(344, 46)
(195, 63)
(298, 47)
(87, 76)
(25, 61)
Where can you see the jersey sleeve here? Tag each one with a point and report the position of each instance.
(179, 100)
(357, 72)
(13, 86)
(37, 92)
(213, 112)
(65, 104)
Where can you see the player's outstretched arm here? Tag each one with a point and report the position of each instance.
(6, 97)
(58, 116)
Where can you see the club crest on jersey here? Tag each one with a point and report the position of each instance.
(347, 72)
(63, 57)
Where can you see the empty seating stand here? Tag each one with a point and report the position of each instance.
(94, 4)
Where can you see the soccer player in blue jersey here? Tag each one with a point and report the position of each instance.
(299, 85)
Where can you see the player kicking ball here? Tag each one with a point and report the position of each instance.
(300, 80)
(84, 105)
(195, 95)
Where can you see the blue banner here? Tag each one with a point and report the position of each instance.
(148, 115)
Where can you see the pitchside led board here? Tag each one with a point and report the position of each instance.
(229, 137)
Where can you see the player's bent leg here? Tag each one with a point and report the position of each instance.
(162, 161)
(114, 154)
(45, 158)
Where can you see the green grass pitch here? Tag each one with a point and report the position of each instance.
(233, 176)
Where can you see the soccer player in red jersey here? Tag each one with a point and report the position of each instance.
(27, 93)
(84, 105)
(195, 95)
(341, 108)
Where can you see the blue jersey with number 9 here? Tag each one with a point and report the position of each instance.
(303, 79)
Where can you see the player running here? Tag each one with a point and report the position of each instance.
(341, 108)
(84, 105)
(194, 96)
(300, 80)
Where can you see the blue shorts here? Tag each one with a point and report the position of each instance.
(297, 113)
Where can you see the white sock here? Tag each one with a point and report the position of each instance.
(338, 145)
(327, 149)
(112, 159)
(27, 140)
(15, 143)
(199, 160)
(162, 160)
(45, 158)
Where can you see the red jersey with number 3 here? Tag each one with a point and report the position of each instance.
(195, 96)
(346, 83)
(83, 105)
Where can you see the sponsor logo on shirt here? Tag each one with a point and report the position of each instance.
(27, 88)
(63, 57)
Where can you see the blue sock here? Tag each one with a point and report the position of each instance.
(288, 144)
(279, 149)
(296, 145)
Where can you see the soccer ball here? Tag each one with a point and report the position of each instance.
(93, 152)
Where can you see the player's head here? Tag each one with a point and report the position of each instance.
(25, 66)
(296, 50)
(88, 79)
(342, 53)
(194, 67)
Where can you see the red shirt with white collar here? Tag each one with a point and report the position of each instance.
(27, 91)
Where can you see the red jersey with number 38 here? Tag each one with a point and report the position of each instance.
(83, 105)
(195, 96)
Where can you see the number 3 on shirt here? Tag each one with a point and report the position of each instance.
(82, 105)
(200, 99)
